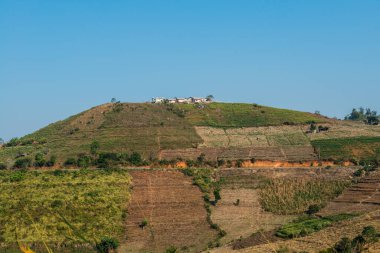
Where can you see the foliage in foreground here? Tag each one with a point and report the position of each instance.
(295, 196)
(66, 207)
(307, 225)
(368, 236)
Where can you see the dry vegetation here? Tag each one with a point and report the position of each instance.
(64, 209)
(287, 196)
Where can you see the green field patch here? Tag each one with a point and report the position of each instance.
(62, 208)
(243, 115)
(360, 148)
(306, 225)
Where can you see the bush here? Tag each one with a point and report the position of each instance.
(106, 244)
(51, 162)
(307, 225)
(135, 159)
(23, 163)
(143, 223)
(313, 209)
(217, 195)
(70, 162)
(358, 244)
(3, 166)
(171, 249)
(13, 142)
(17, 176)
(39, 160)
(83, 161)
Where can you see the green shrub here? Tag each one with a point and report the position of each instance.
(307, 225)
(51, 162)
(17, 176)
(70, 162)
(3, 166)
(313, 209)
(83, 161)
(135, 159)
(39, 160)
(171, 249)
(106, 244)
(23, 163)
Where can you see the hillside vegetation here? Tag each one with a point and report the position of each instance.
(145, 128)
(63, 209)
(356, 148)
(244, 115)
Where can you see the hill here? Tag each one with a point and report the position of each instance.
(147, 128)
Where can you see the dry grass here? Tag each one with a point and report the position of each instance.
(46, 206)
(294, 196)
(246, 218)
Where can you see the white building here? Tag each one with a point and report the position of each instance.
(198, 100)
(158, 100)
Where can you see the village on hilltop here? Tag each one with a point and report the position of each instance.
(189, 100)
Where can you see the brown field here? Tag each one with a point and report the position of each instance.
(274, 136)
(294, 153)
(320, 240)
(361, 197)
(174, 209)
(246, 218)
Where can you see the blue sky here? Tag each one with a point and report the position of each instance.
(58, 58)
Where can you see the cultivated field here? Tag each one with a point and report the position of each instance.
(245, 218)
(321, 240)
(174, 212)
(361, 197)
(64, 209)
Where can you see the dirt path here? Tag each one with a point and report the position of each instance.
(174, 209)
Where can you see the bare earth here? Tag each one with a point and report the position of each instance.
(247, 217)
(174, 209)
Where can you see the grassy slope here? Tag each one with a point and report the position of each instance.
(92, 202)
(147, 128)
(244, 115)
(346, 148)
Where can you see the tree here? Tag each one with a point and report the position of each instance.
(210, 98)
(135, 159)
(94, 147)
(113, 100)
(23, 163)
(217, 195)
(51, 161)
(39, 160)
(107, 244)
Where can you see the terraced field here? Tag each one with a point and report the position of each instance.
(295, 153)
(174, 210)
(318, 241)
(360, 148)
(361, 197)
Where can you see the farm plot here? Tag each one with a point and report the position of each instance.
(253, 136)
(239, 213)
(361, 197)
(64, 209)
(321, 240)
(166, 210)
(294, 153)
(366, 148)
